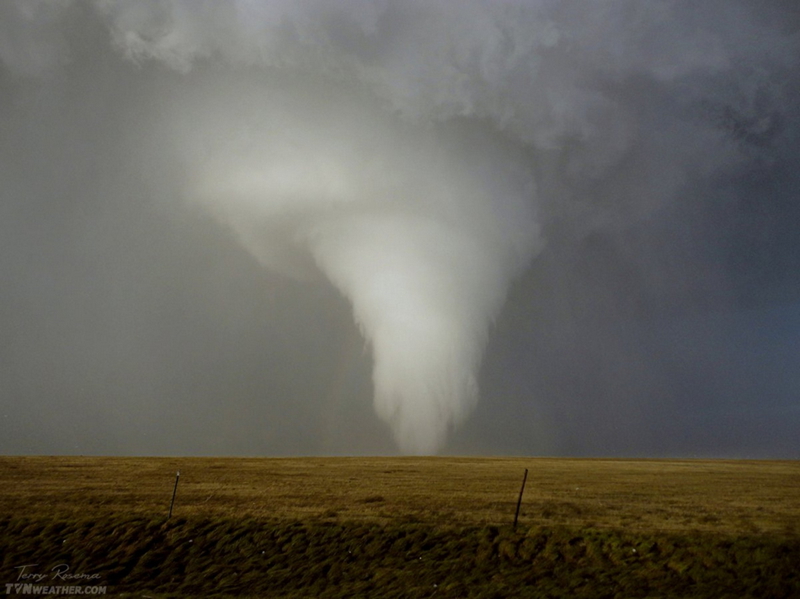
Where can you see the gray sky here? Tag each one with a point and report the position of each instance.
(260, 228)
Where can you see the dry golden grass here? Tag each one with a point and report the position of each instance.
(406, 527)
(723, 497)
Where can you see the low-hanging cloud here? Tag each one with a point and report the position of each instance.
(414, 152)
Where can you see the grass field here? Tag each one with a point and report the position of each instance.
(407, 527)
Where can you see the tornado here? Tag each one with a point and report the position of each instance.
(422, 229)
(415, 154)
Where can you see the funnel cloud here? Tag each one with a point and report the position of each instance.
(421, 229)
(523, 199)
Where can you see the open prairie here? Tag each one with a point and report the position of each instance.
(406, 526)
(724, 497)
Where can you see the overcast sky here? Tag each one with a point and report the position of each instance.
(542, 227)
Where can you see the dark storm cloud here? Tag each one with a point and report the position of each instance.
(183, 181)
